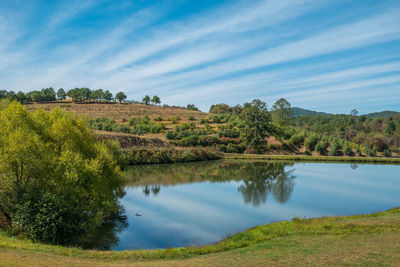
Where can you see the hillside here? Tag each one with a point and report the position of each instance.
(297, 112)
(120, 112)
(383, 114)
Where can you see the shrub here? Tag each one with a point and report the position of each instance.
(203, 120)
(149, 156)
(334, 151)
(347, 150)
(191, 118)
(134, 121)
(387, 153)
(123, 128)
(296, 139)
(228, 132)
(207, 140)
(321, 147)
(173, 119)
(358, 149)
(158, 118)
(310, 142)
(70, 184)
(370, 152)
(191, 140)
(171, 135)
(235, 148)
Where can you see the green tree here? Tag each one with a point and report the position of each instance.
(220, 108)
(192, 107)
(20, 97)
(107, 95)
(146, 100)
(281, 113)
(3, 94)
(120, 96)
(256, 122)
(58, 184)
(11, 96)
(61, 94)
(155, 100)
(354, 112)
(390, 126)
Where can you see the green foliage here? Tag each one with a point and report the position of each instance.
(220, 108)
(378, 132)
(321, 147)
(228, 132)
(61, 95)
(192, 107)
(191, 118)
(347, 150)
(370, 151)
(282, 112)
(170, 155)
(297, 139)
(310, 142)
(203, 120)
(120, 96)
(334, 150)
(146, 100)
(174, 119)
(46, 94)
(156, 100)
(256, 124)
(390, 127)
(387, 153)
(220, 118)
(58, 183)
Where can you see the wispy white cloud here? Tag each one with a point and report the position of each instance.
(232, 53)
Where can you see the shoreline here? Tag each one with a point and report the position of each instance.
(377, 222)
(343, 159)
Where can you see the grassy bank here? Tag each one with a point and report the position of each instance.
(313, 158)
(354, 240)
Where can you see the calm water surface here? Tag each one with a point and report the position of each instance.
(200, 203)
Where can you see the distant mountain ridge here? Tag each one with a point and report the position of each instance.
(298, 112)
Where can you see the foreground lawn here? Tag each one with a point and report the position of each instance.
(362, 240)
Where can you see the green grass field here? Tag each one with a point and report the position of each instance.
(362, 240)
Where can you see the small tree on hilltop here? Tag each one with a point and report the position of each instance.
(146, 100)
(155, 100)
(107, 95)
(120, 97)
(354, 112)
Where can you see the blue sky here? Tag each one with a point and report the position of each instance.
(328, 56)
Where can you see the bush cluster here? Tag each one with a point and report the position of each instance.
(137, 126)
(135, 156)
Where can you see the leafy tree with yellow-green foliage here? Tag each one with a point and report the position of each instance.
(58, 184)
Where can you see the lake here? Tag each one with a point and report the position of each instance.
(174, 205)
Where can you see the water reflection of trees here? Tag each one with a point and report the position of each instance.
(155, 189)
(258, 178)
(106, 235)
